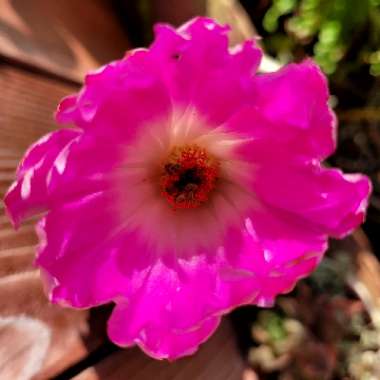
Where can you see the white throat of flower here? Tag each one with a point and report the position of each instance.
(181, 185)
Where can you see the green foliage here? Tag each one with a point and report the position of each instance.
(279, 8)
(273, 324)
(331, 29)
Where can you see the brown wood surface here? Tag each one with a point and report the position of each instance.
(217, 359)
(27, 105)
(41, 338)
(365, 278)
(64, 37)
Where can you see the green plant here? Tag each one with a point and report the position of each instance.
(330, 29)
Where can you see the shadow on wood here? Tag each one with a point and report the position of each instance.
(64, 37)
(218, 358)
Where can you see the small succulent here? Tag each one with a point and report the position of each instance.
(319, 332)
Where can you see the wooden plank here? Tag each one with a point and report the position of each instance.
(176, 12)
(216, 359)
(27, 105)
(63, 37)
(22, 299)
(365, 276)
(36, 338)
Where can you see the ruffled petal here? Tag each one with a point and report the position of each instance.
(221, 79)
(28, 195)
(158, 339)
(292, 107)
(255, 264)
(84, 167)
(119, 265)
(60, 168)
(333, 202)
(284, 236)
(119, 99)
(81, 245)
(67, 111)
(221, 278)
(278, 252)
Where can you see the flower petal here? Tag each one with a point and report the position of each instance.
(286, 255)
(221, 79)
(28, 194)
(293, 101)
(333, 202)
(119, 99)
(158, 339)
(80, 248)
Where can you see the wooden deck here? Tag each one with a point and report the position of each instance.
(45, 48)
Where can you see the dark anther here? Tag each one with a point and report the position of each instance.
(181, 198)
(172, 168)
(191, 187)
(171, 190)
(189, 177)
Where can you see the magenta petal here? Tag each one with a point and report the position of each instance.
(60, 168)
(83, 258)
(28, 194)
(335, 203)
(84, 167)
(237, 274)
(278, 250)
(221, 79)
(294, 101)
(158, 340)
(162, 301)
(67, 111)
(119, 98)
(246, 57)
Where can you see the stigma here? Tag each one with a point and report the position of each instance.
(188, 176)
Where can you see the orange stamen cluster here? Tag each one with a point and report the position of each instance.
(188, 176)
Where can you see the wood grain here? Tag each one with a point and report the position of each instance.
(27, 105)
(22, 296)
(218, 358)
(27, 320)
(64, 37)
(24, 344)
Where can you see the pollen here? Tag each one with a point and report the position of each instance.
(188, 177)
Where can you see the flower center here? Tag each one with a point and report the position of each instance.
(188, 176)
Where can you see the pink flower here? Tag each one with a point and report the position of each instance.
(189, 186)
